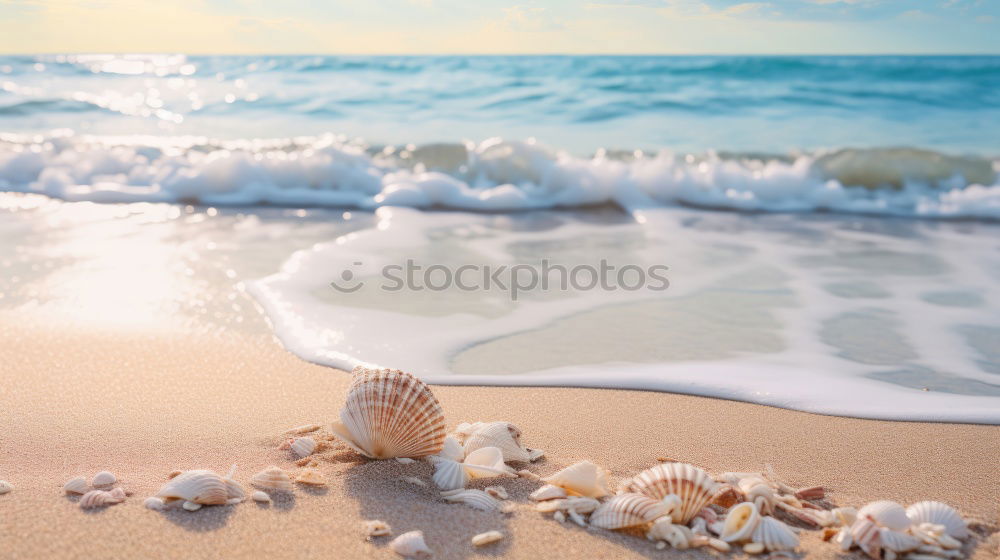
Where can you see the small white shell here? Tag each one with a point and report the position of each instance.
(449, 475)
(272, 478)
(473, 498)
(887, 514)
(844, 539)
(489, 537)
(404, 460)
(679, 536)
(740, 522)
(410, 545)
(486, 462)
(775, 535)
(582, 479)
(154, 503)
(897, 541)
(302, 446)
(5, 487)
(375, 528)
(260, 496)
(939, 514)
(191, 506)
(753, 548)
(414, 481)
(627, 510)
(547, 492)
(103, 478)
(498, 492)
(198, 486)
(502, 435)
(311, 477)
(100, 498)
(76, 485)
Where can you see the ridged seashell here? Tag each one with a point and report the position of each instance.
(692, 485)
(104, 478)
(311, 477)
(938, 513)
(473, 498)
(272, 478)
(76, 485)
(410, 545)
(261, 497)
(100, 498)
(153, 503)
(449, 475)
(375, 528)
(502, 435)
(390, 413)
(627, 510)
(489, 537)
(452, 450)
(887, 514)
(740, 522)
(302, 446)
(486, 462)
(5, 487)
(547, 492)
(582, 479)
(898, 541)
(198, 486)
(867, 535)
(498, 492)
(679, 536)
(466, 429)
(774, 535)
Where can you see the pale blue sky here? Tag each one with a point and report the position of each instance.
(497, 26)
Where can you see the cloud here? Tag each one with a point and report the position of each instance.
(530, 18)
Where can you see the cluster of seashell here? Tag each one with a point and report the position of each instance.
(99, 493)
(884, 529)
(196, 488)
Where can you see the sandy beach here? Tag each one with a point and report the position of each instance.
(143, 403)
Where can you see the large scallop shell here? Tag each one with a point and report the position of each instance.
(627, 510)
(740, 522)
(302, 446)
(502, 435)
(390, 413)
(939, 514)
(692, 485)
(582, 479)
(449, 475)
(410, 545)
(76, 485)
(886, 513)
(101, 498)
(774, 535)
(473, 498)
(198, 486)
(272, 478)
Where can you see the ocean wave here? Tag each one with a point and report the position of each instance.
(495, 175)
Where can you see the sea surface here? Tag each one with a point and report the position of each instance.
(828, 224)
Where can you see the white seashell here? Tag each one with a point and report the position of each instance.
(486, 462)
(272, 478)
(404, 460)
(867, 535)
(719, 545)
(761, 492)
(498, 492)
(547, 492)
(939, 514)
(104, 478)
(887, 514)
(449, 475)
(375, 528)
(502, 435)
(844, 539)
(740, 522)
(154, 503)
(559, 516)
(753, 548)
(199, 486)
(76, 485)
(844, 516)
(410, 545)
(191, 506)
(100, 498)
(304, 429)
(775, 535)
(311, 477)
(5, 487)
(692, 485)
(389, 414)
(489, 537)
(897, 541)
(466, 429)
(627, 510)
(451, 450)
(414, 481)
(679, 536)
(261, 497)
(582, 479)
(302, 446)
(473, 498)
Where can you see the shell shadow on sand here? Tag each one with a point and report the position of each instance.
(208, 518)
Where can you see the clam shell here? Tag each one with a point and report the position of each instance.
(866, 534)
(197, 486)
(486, 462)
(390, 413)
(939, 514)
(887, 514)
(191, 506)
(897, 541)
(272, 478)
(104, 478)
(547, 492)
(410, 545)
(774, 535)
(692, 485)
(627, 510)
(311, 477)
(449, 475)
(473, 498)
(502, 435)
(582, 479)
(76, 485)
(740, 522)
(489, 537)
(302, 446)
(100, 498)
(261, 497)
(153, 503)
